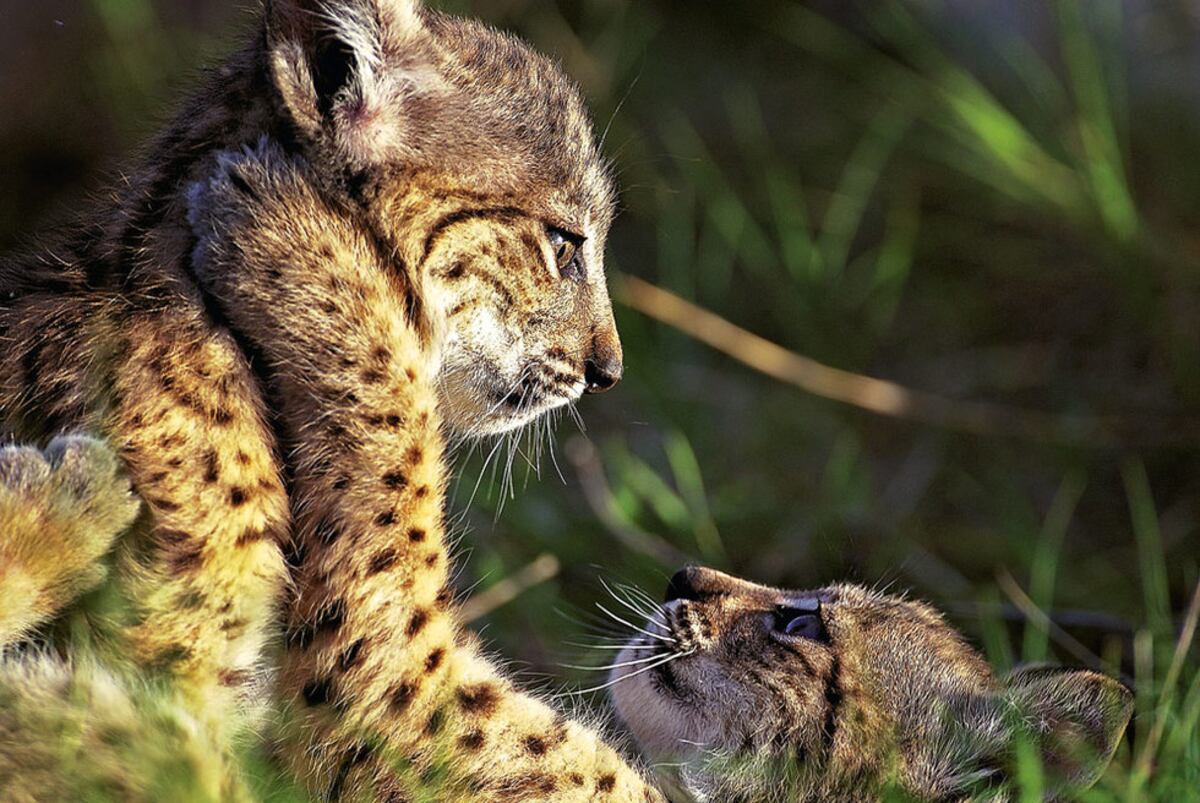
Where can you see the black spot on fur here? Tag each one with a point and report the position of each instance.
(353, 757)
(332, 617)
(351, 656)
(434, 659)
(186, 560)
(382, 561)
(253, 536)
(212, 471)
(480, 698)
(170, 657)
(417, 623)
(436, 720)
(401, 697)
(318, 691)
(472, 741)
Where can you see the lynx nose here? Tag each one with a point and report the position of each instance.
(603, 367)
(697, 583)
(686, 584)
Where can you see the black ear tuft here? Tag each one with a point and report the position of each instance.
(332, 68)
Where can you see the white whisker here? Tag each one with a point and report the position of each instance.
(610, 667)
(653, 616)
(612, 646)
(665, 660)
(635, 627)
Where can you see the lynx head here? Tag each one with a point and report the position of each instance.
(471, 161)
(764, 694)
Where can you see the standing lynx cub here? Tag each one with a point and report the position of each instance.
(273, 340)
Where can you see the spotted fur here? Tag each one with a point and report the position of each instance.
(389, 694)
(866, 692)
(465, 167)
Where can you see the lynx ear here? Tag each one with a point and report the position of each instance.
(347, 71)
(1076, 719)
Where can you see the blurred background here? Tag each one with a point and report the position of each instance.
(993, 205)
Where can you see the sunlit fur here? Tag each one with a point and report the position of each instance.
(887, 696)
(60, 511)
(384, 685)
(70, 728)
(445, 151)
(487, 145)
(75, 731)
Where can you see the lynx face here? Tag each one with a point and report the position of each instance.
(759, 693)
(471, 160)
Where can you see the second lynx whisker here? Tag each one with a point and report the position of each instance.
(666, 659)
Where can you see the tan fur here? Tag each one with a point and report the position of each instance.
(387, 688)
(874, 692)
(59, 513)
(74, 731)
(442, 157)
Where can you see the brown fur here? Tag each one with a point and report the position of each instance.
(387, 688)
(443, 159)
(59, 513)
(874, 691)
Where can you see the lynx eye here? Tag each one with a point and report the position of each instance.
(801, 621)
(567, 253)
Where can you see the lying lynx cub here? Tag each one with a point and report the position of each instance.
(749, 693)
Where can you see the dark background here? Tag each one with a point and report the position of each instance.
(989, 201)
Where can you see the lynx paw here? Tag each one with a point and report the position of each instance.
(78, 482)
(60, 511)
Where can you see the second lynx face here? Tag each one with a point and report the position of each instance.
(839, 693)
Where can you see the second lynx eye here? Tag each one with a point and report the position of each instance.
(802, 622)
(566, 253)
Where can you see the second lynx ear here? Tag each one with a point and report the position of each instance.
(347, 69)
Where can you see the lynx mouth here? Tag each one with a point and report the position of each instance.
(478, 401)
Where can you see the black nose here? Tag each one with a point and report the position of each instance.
(682, 585)
(602, 371)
